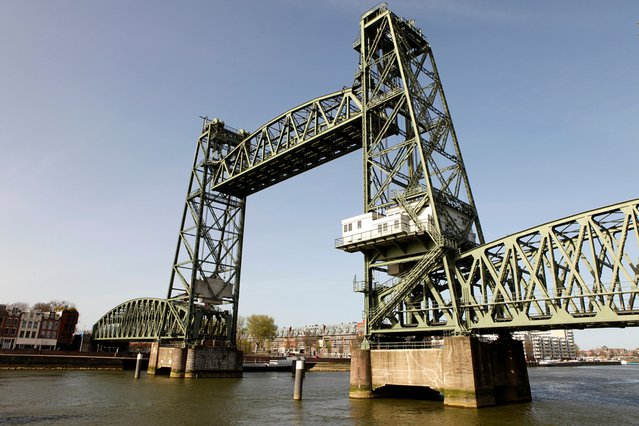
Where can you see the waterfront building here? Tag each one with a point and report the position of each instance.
(34, 329)
(318, 340)
(9, 329)
(28, 331)
(66, 328)
(3, 319)
(548, 345)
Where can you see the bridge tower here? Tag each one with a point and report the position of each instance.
(197, 335)
(205, 277)
(419, 210)
(419, 214)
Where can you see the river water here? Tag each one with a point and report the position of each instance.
(561, 396)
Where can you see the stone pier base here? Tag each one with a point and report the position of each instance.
(205, 360)
(466, 371)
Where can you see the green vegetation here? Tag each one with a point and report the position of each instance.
(261, 329)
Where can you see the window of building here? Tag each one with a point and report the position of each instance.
(30, 324)
(22, 334)
(350, 226)
(345, 228)
(379, 227)
(24, 323)
(359, 224)
(385, 227)
(15, 321)
(396, 224)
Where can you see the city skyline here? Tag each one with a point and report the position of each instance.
(101, 110)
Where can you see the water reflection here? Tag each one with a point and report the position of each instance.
(577, 395)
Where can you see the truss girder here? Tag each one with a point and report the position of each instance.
(151, 319)
(302, 138)
(581, 271)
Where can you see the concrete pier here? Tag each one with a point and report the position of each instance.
(466, 371)
(178, 362)
(360, 383)
(209, 359)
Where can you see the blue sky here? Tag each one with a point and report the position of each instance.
(100, 106)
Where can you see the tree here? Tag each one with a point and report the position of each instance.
(21, 306)
(309, 339)
(41, 306)
(261, 328)
(241, 337)
(53, 306)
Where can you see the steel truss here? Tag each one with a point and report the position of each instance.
(305, 137)
(581, 271)
(412, 162)
(439, 276)
(150, 319)
(205, 280)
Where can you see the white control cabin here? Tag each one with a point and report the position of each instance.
(373, 226)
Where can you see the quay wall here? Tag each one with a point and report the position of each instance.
(66, 362)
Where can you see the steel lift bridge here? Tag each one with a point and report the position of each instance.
(427, 269)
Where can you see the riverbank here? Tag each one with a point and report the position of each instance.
(575, 363)
(320, 364)
(331, 364)
(76, 361)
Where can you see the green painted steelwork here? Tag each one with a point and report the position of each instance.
(150, 319)
(206, 269)
(412, 166)
(432, 277)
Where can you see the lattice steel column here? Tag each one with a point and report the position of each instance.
(206, 270)
(412, 165)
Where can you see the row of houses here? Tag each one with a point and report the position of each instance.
(337, 340)
(318, 340)
(34, 329)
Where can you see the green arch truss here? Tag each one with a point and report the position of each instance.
(141, 319)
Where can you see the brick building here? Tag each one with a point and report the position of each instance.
(36, 329)
(10, 324)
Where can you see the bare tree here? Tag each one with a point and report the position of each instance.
(19, 305)
(53, 306)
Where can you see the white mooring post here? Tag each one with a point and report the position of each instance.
(299, 379)
(137, 366)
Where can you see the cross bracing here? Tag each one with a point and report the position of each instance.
(150, 319)
(430, 271)
(305, 137)
(581, 271)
